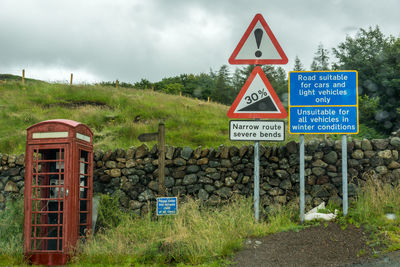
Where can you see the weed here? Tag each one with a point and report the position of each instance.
(362, 252)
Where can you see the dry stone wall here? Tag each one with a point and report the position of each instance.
(215, 174)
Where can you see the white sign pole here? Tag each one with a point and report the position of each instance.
(302, 178)
(344, 174)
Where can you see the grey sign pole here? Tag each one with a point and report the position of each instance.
(256, 180)
(344, 174)
(302, 178)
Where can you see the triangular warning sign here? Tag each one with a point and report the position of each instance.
(258, 46)
(257, 99)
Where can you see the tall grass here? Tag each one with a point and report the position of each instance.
(196, 235)
(11, 229)
(374, 200)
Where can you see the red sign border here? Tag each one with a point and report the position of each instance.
(258, 17)
(257, 70)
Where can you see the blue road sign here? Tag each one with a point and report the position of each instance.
(323, 102)
(167, 206)
(323, 119)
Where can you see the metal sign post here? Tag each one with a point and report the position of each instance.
(257, 130)
(256, 180)
(302, 178)
(344, 174)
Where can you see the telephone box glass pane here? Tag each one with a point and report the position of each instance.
(84, 186)
(47, 199)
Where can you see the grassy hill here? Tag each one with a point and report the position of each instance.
(116, 116)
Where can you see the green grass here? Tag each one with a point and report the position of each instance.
(116, 116)
(11, 222)
(110, 113)
(197, 235)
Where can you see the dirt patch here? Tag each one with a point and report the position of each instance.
(78, 104)
(323, 245)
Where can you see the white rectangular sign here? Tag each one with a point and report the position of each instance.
(252, 130)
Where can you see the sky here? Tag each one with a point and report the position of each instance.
(100, 40)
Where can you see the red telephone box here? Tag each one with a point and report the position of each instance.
(58, 190)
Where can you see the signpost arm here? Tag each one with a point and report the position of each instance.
(344, 174)
(302, 178)
(161, 159)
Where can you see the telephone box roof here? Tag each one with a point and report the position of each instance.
(70, 123)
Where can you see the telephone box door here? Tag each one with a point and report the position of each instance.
(48, 207)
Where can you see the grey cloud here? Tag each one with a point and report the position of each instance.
(130, 40)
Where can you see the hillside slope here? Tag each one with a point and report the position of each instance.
(117, 116)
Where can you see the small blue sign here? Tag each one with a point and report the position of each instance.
(167, 206)
(323, 102)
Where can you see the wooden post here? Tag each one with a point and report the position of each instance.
(180, 93)
(23, 76)
(72, 76)
(208, 101)
(152, 88)
(161, 159)
(160, 135)
(116, 84)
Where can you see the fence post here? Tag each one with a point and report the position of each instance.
(161, 159)
(208, 101)
(72, 76)
(116, 84)
(23, 76)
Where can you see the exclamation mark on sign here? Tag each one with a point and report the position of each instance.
(258, 33)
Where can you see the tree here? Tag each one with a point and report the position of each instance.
(189, 84)
(297, 65)
(204, 87)
(321, 59)
(278, 79)
(377, 60)
(143, 84)
(223, 90)
(173, 88)
(240, 77)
